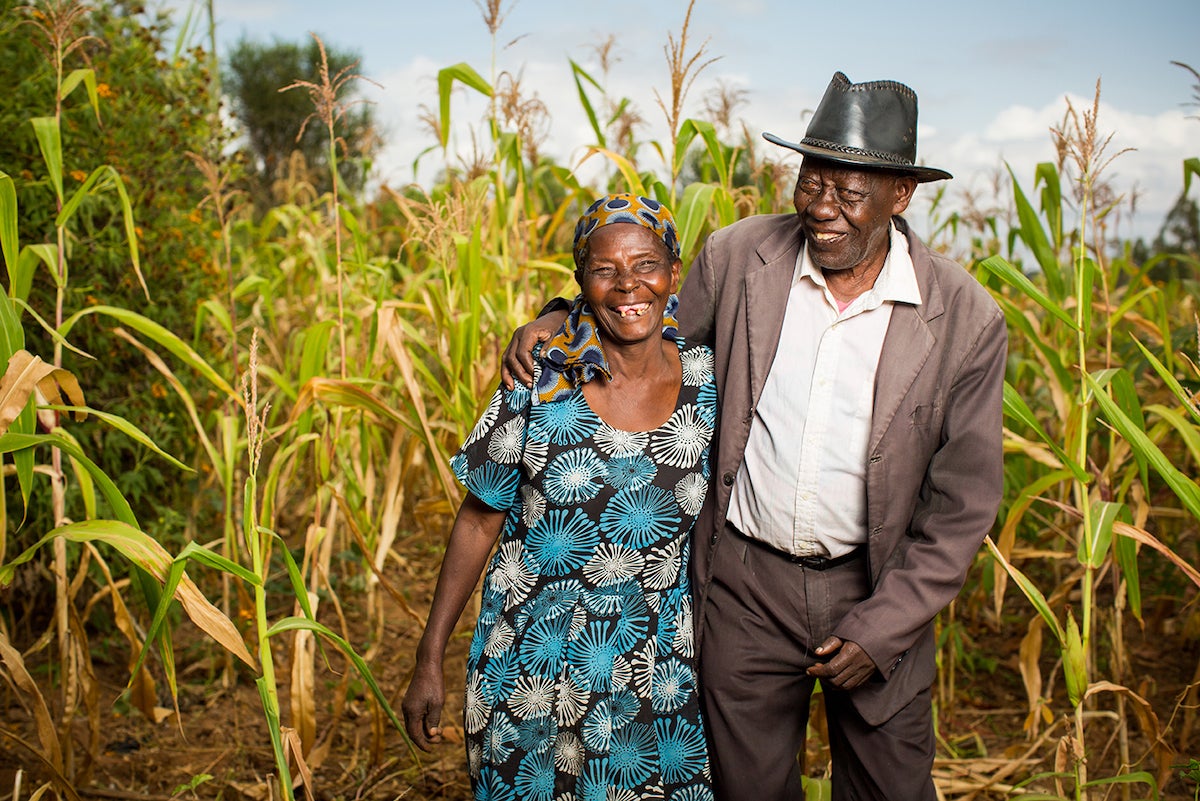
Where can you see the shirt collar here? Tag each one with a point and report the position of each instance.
(897, 281)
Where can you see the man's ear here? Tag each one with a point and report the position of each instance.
(906, 187)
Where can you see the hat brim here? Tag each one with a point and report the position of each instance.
(922, 174)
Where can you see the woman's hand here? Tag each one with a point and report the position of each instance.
(518, 356)
(423, 703)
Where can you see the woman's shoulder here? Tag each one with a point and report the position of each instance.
(698, 363)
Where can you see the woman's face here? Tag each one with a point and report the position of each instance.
(627, 279)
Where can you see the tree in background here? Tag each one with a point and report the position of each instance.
(272, 122)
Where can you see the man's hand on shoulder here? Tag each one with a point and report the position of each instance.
(849, 666)
(518, 356)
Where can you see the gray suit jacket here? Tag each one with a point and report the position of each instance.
(934, 472)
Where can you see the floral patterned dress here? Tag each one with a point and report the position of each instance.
(581, 678)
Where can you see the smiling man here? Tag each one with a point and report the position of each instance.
(857, 465)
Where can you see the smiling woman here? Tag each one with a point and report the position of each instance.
(581, 678)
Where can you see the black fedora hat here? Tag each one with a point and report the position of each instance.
(872, 124)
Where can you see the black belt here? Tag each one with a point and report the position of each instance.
(810, 562)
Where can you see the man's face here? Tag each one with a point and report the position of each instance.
(845, 212)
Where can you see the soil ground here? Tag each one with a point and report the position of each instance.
(360, 756)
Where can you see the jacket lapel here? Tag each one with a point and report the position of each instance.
(907, 344)
(767, 289)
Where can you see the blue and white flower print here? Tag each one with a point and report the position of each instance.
(615, 442)
(682, 438)
(563, 422)
(681, 750)
(574, 477)
(631, 471)
(581, 682)
(640, 517)
(562, 541)
(507, 442)
(697, 367)
(690, 492)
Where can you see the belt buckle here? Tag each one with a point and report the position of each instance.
(812, 562)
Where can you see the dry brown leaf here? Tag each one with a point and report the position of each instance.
(31, 696)
(24, 374)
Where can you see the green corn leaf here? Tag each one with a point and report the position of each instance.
(1125, 394)
(1137, 777)
(87, 77)
(160, 335)
(683, 140)
(1083, 295)
(1074, 662)
(10, 241)
(1185, 489)
(1125, 552)
(1093, 548)
(48, 255)
(464, 74)
(125, 427)
(692, 212)
(1034, 237)
(1006, 272)
(364, 670)
(1047, 175)
(50, 141)
(1190, 167)
(1170, 380)
(1188, 431)
(1016, 408)
(13, 441)
(1030, 590)
(580, 75)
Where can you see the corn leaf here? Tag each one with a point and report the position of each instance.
(1184, 488)
(1030, 590)
(87, 77)
(160, 335)
(1006, 272)
(1016, 408)
(1186, 398)
(10, 242)
(580, 75)
(692, 212)
(1093, 548)
(49, 139)
(464, 74)
(1034, 237)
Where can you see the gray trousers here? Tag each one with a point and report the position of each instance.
(764, 618)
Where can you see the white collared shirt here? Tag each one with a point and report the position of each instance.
(802, 484)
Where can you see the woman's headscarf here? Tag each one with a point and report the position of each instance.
(625, 207)
(574, 355)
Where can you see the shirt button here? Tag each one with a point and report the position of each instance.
(712, 540)
(727, 480)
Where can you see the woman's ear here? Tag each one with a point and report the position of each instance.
(676, 267)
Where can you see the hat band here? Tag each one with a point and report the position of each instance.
(891, 158)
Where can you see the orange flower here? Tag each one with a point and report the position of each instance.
(79, 175)
(105, 91)
(158, 390)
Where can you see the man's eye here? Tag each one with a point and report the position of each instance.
(850, 196)
(810, 187)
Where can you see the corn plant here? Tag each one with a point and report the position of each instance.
(1084, 458)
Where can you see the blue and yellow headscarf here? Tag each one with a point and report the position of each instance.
(574, 355)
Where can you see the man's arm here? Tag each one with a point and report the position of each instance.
(697, 296)
(517, 364)
(957, 508)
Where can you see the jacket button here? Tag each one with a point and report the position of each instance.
(876, 458)
(712, 539)
(727, 479)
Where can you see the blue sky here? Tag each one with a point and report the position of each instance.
(991, 78)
